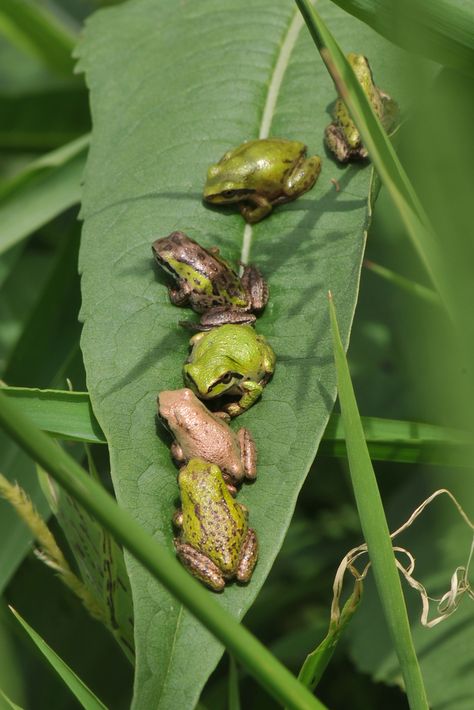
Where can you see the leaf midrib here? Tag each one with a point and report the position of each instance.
(281, 64)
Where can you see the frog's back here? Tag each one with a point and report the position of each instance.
(267, 156)
(213, 523)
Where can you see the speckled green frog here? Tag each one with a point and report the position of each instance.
(260, 174)
(229, 360)
(215, 543)
(201, 434)
(207, 283)
(342, 136)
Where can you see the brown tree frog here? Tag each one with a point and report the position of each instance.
(201, 434)
(207, 283)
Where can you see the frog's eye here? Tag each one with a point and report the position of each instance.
(225, 379)
(228, 194)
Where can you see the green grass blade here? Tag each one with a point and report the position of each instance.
(85, 696)
(234, 695)
(69, 415)
(403, 442)
(40, 120)
(442, 30)
(156, 559)
(37, 31)
(9, 703)
(318, 660)
(380, 149)
(411, 287)
(65, 415)
(375, 529)
(44, 189)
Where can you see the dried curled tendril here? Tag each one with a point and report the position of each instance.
(446, 604)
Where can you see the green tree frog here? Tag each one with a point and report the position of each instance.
(260, 174)
(342, 136)
(201, 434)
(229, 360)
(215, 543)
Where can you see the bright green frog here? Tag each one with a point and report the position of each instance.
(342, 136)
(260, 174)
(230, 360)
(215, 543)
(208, 283)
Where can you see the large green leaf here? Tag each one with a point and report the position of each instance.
(196, 79)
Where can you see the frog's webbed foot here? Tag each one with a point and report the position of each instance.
(220, 315)
(248, 453)
(248, 557)
(258, 208)
(303, 176)
(177, 452)
(200, 566)
(256, 286)
(253, 390)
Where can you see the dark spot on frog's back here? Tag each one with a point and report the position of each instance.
(197, 511)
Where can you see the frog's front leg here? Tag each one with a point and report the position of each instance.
(180, 296)
(302, 177)
(248, 557)
(253, 390)
(248, 453)
(258, 208)
(200, 566)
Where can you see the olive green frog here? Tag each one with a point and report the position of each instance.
(201, 434)
(215, 543)
(207, 283)
(342, 136)
(229, 360)
(260, 174)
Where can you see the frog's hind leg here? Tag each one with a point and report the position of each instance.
(248, 453)
(301, 178)
(200, 566)
(248, 557)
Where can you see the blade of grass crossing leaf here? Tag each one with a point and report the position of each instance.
(442, 30)
(375, 528)
(85, 696)
(69, 415)
(278, 681)
(38, 31)
(234, 695)
(379, 147)
(66, 415)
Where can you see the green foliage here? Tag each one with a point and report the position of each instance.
(85, 696)
(442, 30)
(138, 187)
